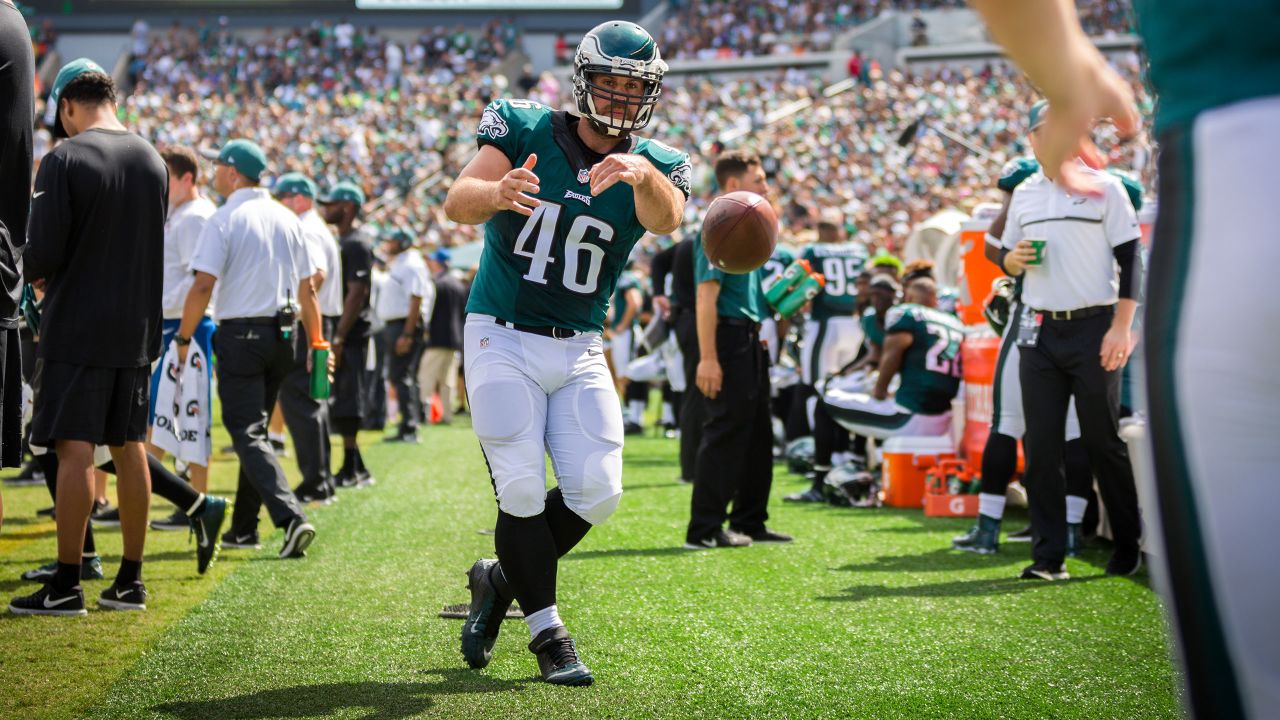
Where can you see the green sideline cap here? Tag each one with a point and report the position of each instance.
(1035, 116)
(245, 156)
(345, 190)
(69, 72)
(1015, 171)
(294, 184)
(1131, 186)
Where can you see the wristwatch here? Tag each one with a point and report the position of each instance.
(182, 342)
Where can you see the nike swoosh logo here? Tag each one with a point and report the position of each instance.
(244, 539)
(593, 352)
(203, 540)
(121, 593)
(36, 195)
(56, 603)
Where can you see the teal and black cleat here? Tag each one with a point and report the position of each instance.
(484, 617)
(205, 526)
(982, 539)
(1075, 539)
(90, 569)
(558, 658)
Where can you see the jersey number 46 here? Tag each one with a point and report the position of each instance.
(540, 231)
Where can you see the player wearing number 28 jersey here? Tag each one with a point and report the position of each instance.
(564, 197)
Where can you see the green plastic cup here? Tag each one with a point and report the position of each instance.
(1041, 247)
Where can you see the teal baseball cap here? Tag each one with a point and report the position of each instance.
(344, 191)
(294, 184)
(402, 238)
(1036, 115)
(245, 156)
(1015, 171)
(1132, 187)
(69, 72)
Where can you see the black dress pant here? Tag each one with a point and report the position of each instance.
(692, 414)
(402, 373)
(253, 362)
(1064, 363)
(307, 419)
(735, 458)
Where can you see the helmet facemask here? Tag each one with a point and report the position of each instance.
(590, 62)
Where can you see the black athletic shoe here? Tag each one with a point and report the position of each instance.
(107, 518)
(768, 536)
(297, 537)
(31, 474)
(205, 526)
(1124, 562)
(812, 495)
(1044, 572)
(558, 658)
(233, 541)
(410, 437)
(720, 539)
(311, 494)
(1023, 535)
(49, 512)
(630, 428)
(982, 539)
(48, 601)
(364, 478)
(484, 617)
(346, 479)
(131, 596)
(90, 569)
(177, 521)
(1075, 540)
(278, 448)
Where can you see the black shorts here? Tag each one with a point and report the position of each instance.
(10, 398)
(103, 406)
(350, 401)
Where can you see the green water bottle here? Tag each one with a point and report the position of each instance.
(786, 282)
(803, 293)
(320, 370)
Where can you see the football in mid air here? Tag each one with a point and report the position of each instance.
(739, 232)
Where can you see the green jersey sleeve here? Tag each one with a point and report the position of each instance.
(509, 124)
(871, 328)
(673, 163)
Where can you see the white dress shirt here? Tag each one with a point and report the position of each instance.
(324, 250)
(1081, 233)
(181, 235)
(254, 246)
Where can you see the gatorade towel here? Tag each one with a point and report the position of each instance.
(183, 421)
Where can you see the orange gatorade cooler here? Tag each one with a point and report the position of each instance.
(906, 461)
(978, 358)
(978, 272)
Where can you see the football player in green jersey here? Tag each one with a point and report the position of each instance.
(832, 334)
(922, 344)
(1212, 389)
(564, 197)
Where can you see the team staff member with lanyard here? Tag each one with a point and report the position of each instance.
(1074, 340)
(341, 208)
(253, 246)
(96, 244)
(308, 418)
(735, 459)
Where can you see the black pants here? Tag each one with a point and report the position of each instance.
(307, 419)
(1065, 363)
(692, 413)
(375, 386)
(402, 372)
(253, 362)
(735, 458)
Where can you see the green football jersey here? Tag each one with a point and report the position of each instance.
(931, 366)
(777, 263)
(561, 266)
(871, 328)
(627, 281)
(741, 296)
(840, 264)
(1203, 55)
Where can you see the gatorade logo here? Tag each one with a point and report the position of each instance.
(956, 505)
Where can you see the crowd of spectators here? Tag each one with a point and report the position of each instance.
(746, 28)
(356, 110)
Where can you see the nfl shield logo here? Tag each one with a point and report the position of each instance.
(484, 343)
(584, 176)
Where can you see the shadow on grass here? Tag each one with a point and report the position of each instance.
(955, 588)
(379, 701)
(944, 559)
(629, 552)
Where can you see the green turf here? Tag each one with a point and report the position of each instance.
(865, 615)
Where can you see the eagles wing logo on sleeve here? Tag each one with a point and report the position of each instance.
(492, 124)
(680, 176)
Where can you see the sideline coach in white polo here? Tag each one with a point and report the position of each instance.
(1074, 334)
(252, 248)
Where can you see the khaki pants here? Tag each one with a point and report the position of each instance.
(438, 372)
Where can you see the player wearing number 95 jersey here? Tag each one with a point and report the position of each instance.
(564, 197)
(832, 335)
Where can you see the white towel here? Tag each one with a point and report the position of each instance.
(183, 421)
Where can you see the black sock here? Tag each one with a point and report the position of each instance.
(567, 527)
(66, 576)
(90, 547)
(199, 508)
(360, 468)
(527, 549)
(348, 461)
(820, 479)
(999, 463)
(130, 572)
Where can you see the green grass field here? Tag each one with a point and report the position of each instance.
(866, 615)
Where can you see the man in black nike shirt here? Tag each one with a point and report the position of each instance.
(96, 243)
